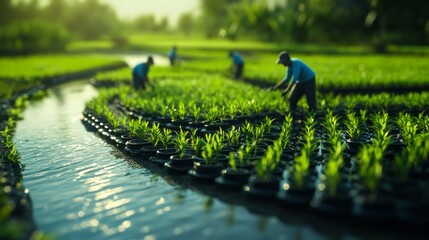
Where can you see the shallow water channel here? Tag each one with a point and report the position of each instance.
(82, 188)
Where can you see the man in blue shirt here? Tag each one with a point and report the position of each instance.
(304, 80)
(172, 55)
(237, 64)
(140, 71)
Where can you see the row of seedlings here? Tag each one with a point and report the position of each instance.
(310, 173)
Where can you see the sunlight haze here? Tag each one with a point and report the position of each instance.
(128, 9)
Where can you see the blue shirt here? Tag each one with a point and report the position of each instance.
(172, 54)
(300, 71)
(236, 58)
(141, 70)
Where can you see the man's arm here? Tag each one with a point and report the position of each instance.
(285, 80)
(287, 89)
(280, 83)
(276, 86)
(292, 82)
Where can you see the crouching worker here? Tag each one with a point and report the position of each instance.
(237, 64)
(172, 56)
(303, 82)
(140, 72)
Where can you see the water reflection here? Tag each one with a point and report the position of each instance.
(262, 224)
(208, 204)
(180, 195)
(107, 193)
(230, 218)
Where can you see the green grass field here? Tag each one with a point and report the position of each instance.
(19, 73)
(337, 67)
(334, 72)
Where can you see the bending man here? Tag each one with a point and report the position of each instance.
(140, 72)
(237, 64)
(304, 79)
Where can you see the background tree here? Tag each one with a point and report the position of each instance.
(400, 22)
(185, 23)
(6, 12)
(27, 30)
(163, 25)
(350, 21)
(26, 27)
(214, 15)
(91, 20)
(56, 10)
(338, 20)
(253, 18)
(148, 23)
(144, 23)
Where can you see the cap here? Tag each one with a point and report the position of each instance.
(282, 57)
(150, 60)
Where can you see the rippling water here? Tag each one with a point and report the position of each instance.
(82, 188)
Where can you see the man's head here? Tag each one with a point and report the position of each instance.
(150, 60)
(283, 58)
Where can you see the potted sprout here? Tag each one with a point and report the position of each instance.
(213, 121)
(196, 122)
(332, 193)
(154, 136)
(412, 206)
(298, 186)
(233, 177)
(232, 137)
(264, 184)
(179, 118)
(138, 128)
(206, 169)
(369, 202)
(166, 150)
(181, 162)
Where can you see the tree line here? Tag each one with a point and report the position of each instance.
(26, 27)
(376, 22)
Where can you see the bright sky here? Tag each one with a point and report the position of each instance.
(127, 9)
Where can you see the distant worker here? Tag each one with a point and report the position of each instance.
(140, 72)
(304, 81)
(237, 64)
(172, 55)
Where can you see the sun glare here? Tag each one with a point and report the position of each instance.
(128, 9)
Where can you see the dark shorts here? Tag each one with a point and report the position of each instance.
(309, 89)
(138, 82)
(238, 71)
